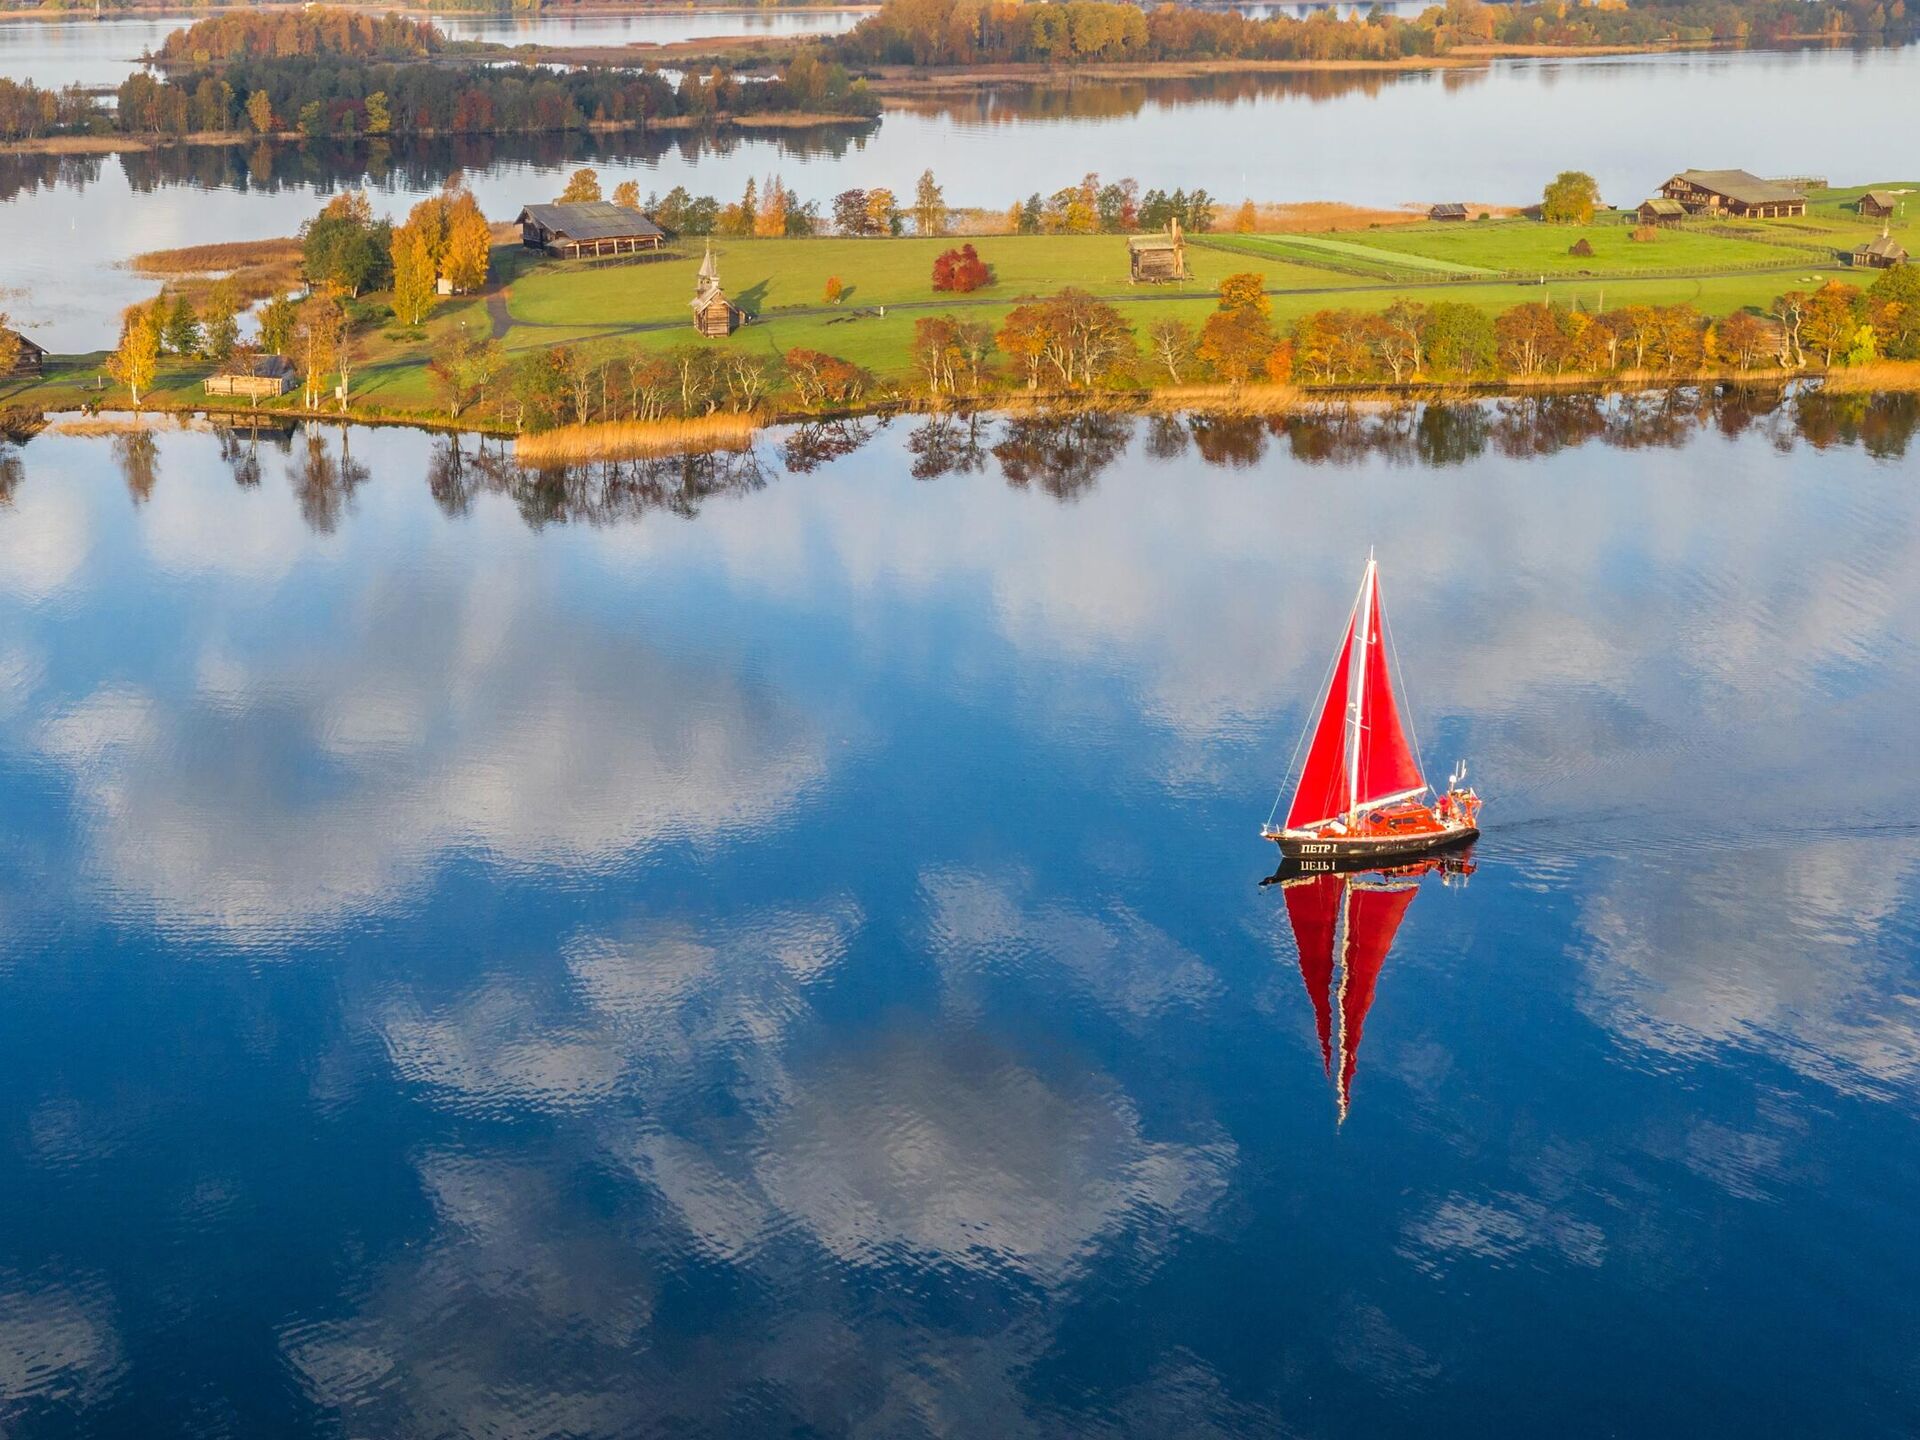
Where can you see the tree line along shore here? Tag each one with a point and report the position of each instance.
(334, 72)
(445, 318)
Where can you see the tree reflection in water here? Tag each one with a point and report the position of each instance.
(949, 444)
(601, 492)
(1062, 453)
(137, 455)
(810, 446)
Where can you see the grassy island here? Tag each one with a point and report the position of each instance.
(840, 324)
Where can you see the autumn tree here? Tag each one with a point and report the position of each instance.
(835, 290)
(469, 240)
(1832, 318)
(260, 112)
(1893, 303)
(1172, 343)
(1071, 338)
(1237, 338)
(627, 194)
(1246, 218)
(1744, 339)
(883, 212)
(582, 186)
(136, 359)
(414, 276)
(464, 363)
(929, 206)
(770, 220)
(960, 270)
(1570, 199)
(10, 346)
(316, 342)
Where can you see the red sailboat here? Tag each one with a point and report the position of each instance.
(1343, 927)
(1362, 797)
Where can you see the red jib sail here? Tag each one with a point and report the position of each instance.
(1373, 918)
(1359, 753)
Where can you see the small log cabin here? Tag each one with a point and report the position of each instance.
(1157, 259)
(262, 378)
(714, 316)
(32, 359)
(1878, 204)
(1660, 211)
(1880, 254)
(1449, 211)
(1737, 193)
(594, 227)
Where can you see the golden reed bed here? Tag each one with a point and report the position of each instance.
(634, 439)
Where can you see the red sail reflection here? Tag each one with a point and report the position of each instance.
(1343, 927)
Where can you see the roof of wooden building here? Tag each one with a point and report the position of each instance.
(1882, 197)
(1883, 247)
(1741, 185)
(1449, 210)
(1160, 241)
(29, 346)
(1660, 205)
(591, 220)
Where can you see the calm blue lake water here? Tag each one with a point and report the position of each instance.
(776, 945)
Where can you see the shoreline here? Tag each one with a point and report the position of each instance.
(1882, 378)
(228, 139)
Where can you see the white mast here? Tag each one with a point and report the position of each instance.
(1357, 687)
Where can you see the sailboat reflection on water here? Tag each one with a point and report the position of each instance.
(1344, 922)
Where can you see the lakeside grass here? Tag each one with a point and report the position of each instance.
(534, 304)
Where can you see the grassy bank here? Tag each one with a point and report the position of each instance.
(534, 305)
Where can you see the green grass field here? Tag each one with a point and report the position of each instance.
(537, 303)
(1527, 247)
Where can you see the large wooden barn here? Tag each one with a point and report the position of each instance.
(1734, 192)
(714, 316)
(593, 227)
(32, 360)
(1155, 259)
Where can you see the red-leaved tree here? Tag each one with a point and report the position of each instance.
(960, 270)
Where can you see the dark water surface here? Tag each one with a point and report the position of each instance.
(774, 945)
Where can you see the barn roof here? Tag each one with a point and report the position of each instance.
(1448, 210)
(1152, 242)
(1883, 247)
(1886, 198)
(1660, 205)
(28, 347)
(591, 220)
(1741, 185)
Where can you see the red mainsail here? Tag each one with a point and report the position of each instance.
(1359, 752)
(1313, 907)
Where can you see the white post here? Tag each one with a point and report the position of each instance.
(1357, 689)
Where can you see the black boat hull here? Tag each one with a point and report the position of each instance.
(1346, 851)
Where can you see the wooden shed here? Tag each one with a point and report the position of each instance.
(32, 359)
(1452, 210)
(714, 316)
(1660, 211)
(1738, 193)
(594, 227)
(1156, 259)
(261, 378)
(1880, 254)
(1878, 204)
